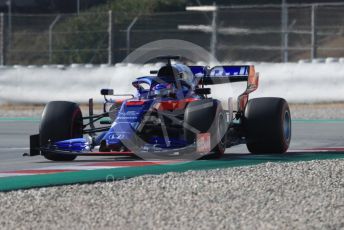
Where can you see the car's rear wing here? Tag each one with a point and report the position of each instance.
(222, 74)
(228, 74)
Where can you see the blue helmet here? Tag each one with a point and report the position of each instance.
(163, 89)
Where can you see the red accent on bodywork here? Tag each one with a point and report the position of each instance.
(174, 105)
(252, 85)
(135, 103)
(252, 81)
(243, 99)
(120, 101)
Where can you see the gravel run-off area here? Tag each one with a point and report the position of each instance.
(306, 195)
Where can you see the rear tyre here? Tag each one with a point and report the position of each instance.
(207, 116)
(61, 120)
(267, 125)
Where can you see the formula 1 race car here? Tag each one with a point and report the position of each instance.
(171, 115)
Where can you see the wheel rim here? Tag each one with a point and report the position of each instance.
(287, 126)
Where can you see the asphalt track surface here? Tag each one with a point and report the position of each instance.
(14, 141)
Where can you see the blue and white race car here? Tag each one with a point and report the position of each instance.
(172, 115)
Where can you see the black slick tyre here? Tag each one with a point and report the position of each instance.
(207, 116)
(61, 120)
(267, 125)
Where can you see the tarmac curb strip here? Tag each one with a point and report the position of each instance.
(103, 175)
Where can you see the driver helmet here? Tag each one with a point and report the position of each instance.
(163, 89)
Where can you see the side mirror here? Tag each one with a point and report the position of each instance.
(106, 92)
(203, 91)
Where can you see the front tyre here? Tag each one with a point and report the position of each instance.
(207, 116)
(61, 120)
(267, 125)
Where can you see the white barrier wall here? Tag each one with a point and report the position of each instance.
(297, 82)
(303, 82)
